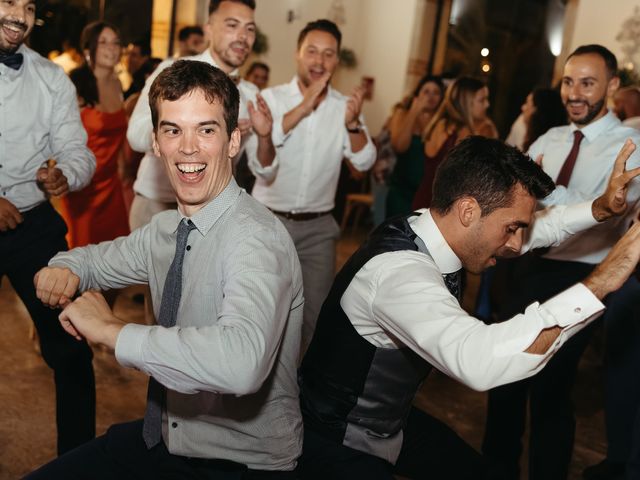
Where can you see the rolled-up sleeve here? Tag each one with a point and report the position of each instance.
(363, 159)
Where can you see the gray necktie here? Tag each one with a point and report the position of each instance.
(452, 281)
(152, 428)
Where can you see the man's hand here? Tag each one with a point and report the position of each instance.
(10, 216)
(617, 266)
(90, 317)
(52, 181)
(314, 92)
(614, 199)
(260, 117)
(56, 286)
(354, 106)
(244, 125)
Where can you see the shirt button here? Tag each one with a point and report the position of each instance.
(577, 310)
(188, 247)
(174, 425)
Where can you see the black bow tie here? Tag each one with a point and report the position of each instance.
(13, 61)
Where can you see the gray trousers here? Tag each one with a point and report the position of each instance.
(315, 242)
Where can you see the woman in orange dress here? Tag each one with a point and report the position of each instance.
(97, 212)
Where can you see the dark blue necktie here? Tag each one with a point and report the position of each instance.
(452, 281)
(13, 61)
(171, 293)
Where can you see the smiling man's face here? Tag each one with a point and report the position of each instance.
(193, 142)
(17, 18)
(586, 85)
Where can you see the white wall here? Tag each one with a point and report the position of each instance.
(600, 21)
(378, 31)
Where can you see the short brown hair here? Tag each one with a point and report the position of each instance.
(186, 76)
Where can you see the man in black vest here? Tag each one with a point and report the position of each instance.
(393, 313)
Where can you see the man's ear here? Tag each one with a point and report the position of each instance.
(613, 86)
(468, 210)
(154, 143)
(234, 142)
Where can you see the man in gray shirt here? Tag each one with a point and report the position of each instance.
(232, 291)
(39, 120)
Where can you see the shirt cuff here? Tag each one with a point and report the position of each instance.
(268, 173)
(277, 133)
(128, 349)
(574, 305)
(363, 159)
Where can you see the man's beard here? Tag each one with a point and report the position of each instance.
(9, 49)
(592, 110)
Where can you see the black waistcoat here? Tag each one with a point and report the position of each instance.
(352, 391)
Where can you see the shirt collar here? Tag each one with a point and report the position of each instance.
(424, 226)
(207, 216)
(594, 129)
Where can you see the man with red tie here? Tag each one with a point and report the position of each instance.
(580, 157)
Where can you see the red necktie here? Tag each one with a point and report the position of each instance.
(569, 163)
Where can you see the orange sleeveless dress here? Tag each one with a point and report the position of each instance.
(97, 212)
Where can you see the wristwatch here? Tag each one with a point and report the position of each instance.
(356, 129)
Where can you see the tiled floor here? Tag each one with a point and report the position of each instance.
(27, 428)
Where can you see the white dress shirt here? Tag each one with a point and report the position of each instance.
(633, 122)
(518, 133)
(304, 176)
(229, 363)
(599, 148)
(152, 181)
(39, 120)
(400, 299)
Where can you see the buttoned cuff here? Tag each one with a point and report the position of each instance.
(574, 305)
(128, 349)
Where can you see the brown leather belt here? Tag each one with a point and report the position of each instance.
(302, 216)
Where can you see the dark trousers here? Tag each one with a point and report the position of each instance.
(122, 454)
(622, 370)
(552, 422)
(430, 450)
(23, 252)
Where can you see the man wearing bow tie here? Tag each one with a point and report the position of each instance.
(39, 120)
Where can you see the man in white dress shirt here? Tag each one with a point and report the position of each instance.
(314, 128)
(39, 120)
(580, 157)
(393, 313)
